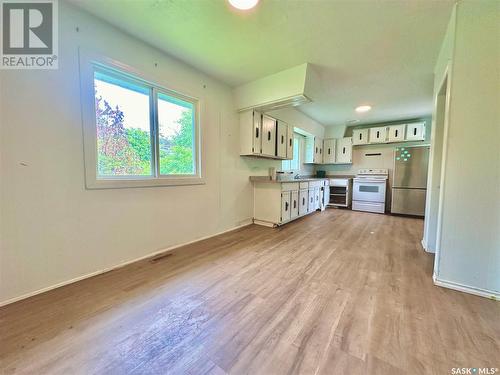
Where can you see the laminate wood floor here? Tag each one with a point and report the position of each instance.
(338, 292)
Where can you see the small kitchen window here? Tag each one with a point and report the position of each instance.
(137, 133)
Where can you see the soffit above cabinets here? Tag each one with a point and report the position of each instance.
(288, 88)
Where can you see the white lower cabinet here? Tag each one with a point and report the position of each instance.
(310, 206)
(317, 202)
(285, 206)
(294, 204)
(303, 201)
(276, 203)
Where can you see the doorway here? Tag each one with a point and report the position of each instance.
(433, 209)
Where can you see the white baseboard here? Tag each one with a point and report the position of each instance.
(119, 265)
(466, 289)
(426, 247)
(424, 244)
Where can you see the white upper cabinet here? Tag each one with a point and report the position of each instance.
(415, 131)
(281, 139)
(344, 151)
(329, 151)
(318, 150)
(360, 136)
(289, 143)
(396, 133)
(378, 134)
(268, 136)
(250, 133)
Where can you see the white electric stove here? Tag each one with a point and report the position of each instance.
(369, 190)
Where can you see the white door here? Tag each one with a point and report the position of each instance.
(378, 134)
(268, 136)
(415, 131)
(294, 203)
(289, 144)
(360, 136)
(318, 150)
(344, 151)
(281, 144)
(310, 206)
(257, 132)
(317, 202)
(329, 151)
(303, 202)
(396, 133)
(285, 206)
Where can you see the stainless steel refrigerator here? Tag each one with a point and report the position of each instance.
(409, 185)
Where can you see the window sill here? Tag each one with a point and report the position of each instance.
(124, 183)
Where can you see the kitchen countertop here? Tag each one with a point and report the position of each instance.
(268, 179)
(340, 176)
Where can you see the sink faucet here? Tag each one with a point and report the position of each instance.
(296, 177)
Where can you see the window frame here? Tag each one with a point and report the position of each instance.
(89, 64)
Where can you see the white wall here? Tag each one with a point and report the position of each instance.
(469, 251)
(53, 230)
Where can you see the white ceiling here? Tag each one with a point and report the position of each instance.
(373, 52)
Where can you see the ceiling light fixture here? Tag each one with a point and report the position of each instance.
(363, 108)
(243, 4)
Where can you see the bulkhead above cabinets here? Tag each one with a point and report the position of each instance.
(389, 134)
(264, 136)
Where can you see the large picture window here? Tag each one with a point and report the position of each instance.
(141, 134)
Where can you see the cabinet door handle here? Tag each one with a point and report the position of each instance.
(360, 136)
(328, 151)
(290, 142)
(294, 204)
(256, 132)
(378, 134)
(286, 206)
(282, 139)
(316, 150)
(396, 133)
(303, 201)
(320, 151)
(268, 135)
(343, 150)
(414, 131)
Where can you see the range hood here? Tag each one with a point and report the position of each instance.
(288, 88)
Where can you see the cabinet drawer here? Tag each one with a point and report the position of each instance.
(289, 186)
(339, 182)
(304, 185)
(314, 184)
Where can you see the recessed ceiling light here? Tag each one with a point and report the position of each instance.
(243, 4)
(363, 108)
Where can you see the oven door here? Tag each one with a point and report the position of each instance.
(369, 191)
